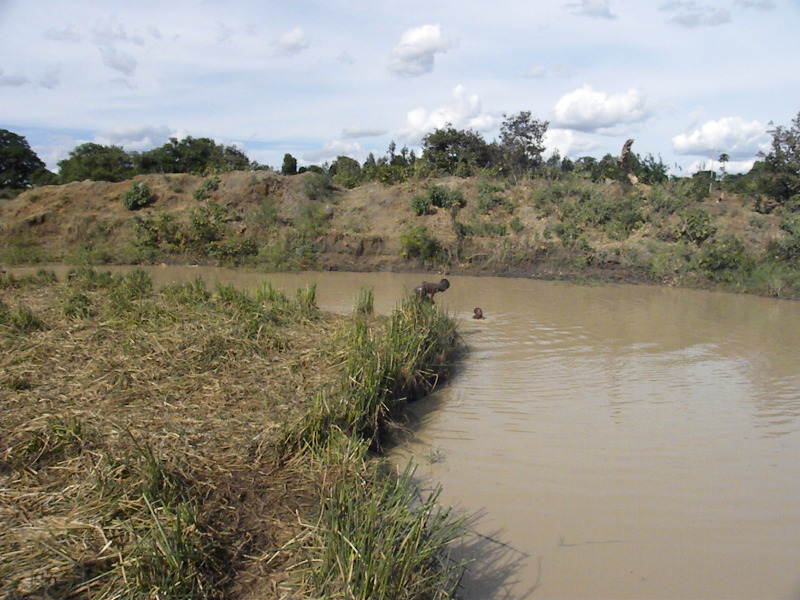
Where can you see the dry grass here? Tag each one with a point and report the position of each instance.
(143, 444)
(135, 448)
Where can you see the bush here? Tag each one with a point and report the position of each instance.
(490, 195)
(696, 226)
(421, 205)
(138, 196)
(724, 258)
(319, 185)
(416, 242)
(204, 190)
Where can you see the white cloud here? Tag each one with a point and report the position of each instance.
(463, 112)
(291, 43)
(330, 151)
(690, 13)
(359, 131)
(567, 143)
(592, 8)
(732, 167)
(732, 135)
(587, 110)
(414, 55)
(137, 138)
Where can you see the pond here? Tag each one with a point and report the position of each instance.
(611, 441)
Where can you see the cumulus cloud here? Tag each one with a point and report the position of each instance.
(587, 110)
(291, 43)
(464, 111)
(592, 8)
(732, 167)
(568, 143)
(359, 131)
(732, 135)
(331, 150)
(690, 13)
(415, 53)
(137, 138)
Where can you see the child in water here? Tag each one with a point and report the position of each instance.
(478, 314)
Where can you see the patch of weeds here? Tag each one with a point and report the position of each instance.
(696, 225)
(191, 294)
(365, 301)
(206, 187)
(516, 225)
(417, 242)
(318, 186)
(379, 538)
(490, 195)
(665, 202)
(311, 219)
(138, 196)
(77, 305)
(724, 259)
(266, 214)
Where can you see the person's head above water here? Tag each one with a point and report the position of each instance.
(478, 314)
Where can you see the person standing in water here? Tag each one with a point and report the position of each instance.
(426, 291)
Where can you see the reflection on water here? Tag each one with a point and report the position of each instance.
(612, 441)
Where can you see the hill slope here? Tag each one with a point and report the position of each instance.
(544, 228)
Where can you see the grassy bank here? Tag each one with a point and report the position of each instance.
(187, 442)
(564, 226)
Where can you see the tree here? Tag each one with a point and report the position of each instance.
(522, 142)
(19, 165)
(780, 177)
(96, 162)
(456, 152)
(191, 155)
(346, 171)
(289, 165)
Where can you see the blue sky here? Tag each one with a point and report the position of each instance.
(687, 79)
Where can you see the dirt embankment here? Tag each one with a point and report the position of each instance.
(536, 228)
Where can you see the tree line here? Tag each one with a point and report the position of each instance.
(516, 155)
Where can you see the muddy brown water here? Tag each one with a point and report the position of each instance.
(610, 441)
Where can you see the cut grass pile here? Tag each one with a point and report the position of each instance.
(168, 443)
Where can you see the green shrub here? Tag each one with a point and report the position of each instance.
(722, 259)
(490, 195)
(139, 195)
(665, 202)
(204, 190)
(443, 197)
(516, 225)
(417, 242)
(318, 186)
(696, 226)
(421, 205)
